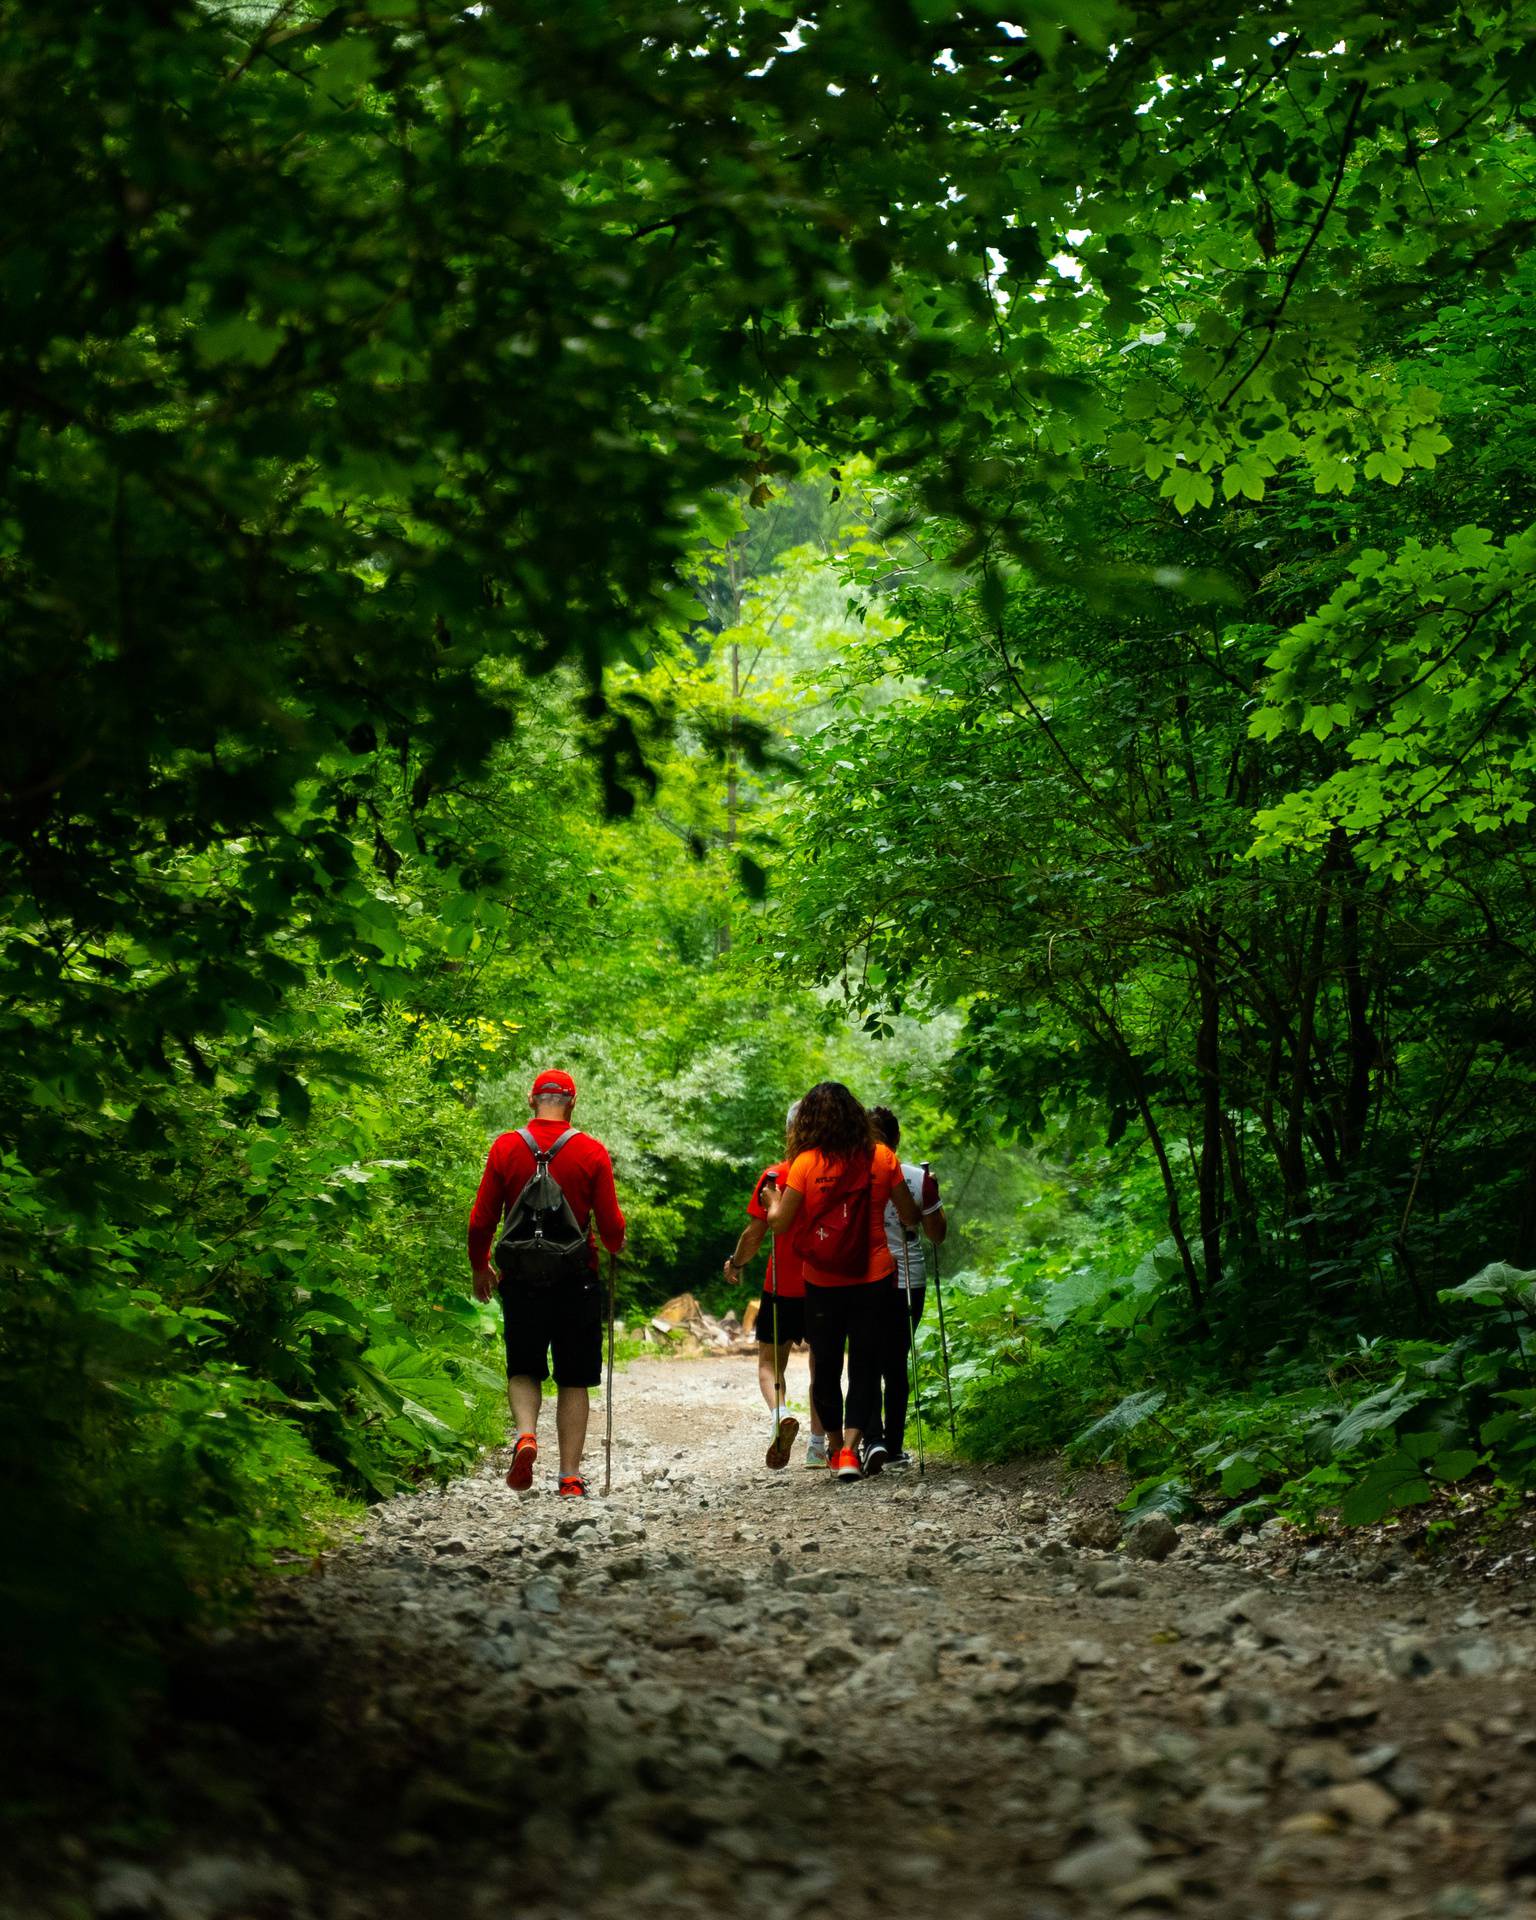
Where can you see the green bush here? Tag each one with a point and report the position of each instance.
(1104, 1358)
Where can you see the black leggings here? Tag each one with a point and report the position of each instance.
(846, 1317)
(901, 1312)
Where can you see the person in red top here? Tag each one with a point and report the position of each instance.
(780, 1319)
(835, 1193)
(564, 1318)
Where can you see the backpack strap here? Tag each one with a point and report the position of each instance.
(543, 1155)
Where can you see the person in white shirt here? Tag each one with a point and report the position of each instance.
(908, 1292)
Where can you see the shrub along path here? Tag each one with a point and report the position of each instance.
(727, 1692)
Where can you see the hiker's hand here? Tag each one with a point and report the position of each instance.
(733, 1273)
(484, 1283)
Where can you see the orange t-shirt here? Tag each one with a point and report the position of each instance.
(811, 1174)
(783, 1276)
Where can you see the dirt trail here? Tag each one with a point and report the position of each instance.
(727, 1692)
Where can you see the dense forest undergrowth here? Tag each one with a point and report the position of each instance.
(713, 549)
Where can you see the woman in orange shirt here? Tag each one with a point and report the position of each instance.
(833, 1205)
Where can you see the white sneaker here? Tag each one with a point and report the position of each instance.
(816, 1450)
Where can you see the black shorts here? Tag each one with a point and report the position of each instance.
(566, 1319)
(791, 1320)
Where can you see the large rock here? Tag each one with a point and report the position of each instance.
(1095, 1530)
(1153, 1538)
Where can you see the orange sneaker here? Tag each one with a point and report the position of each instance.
(845, 1465)
(572, 1487)
(520, 1476)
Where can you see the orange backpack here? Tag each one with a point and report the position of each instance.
(832, 1233)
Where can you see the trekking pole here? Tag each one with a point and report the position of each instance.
(780, 1387)
(917, 1395)
(613, 1261)
(949, 1393)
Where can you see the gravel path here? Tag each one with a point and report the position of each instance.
(727, 1692)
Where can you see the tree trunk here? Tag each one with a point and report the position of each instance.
(1525, 1230)
(732, 792)
(1154, 1135)
(1361, 1045)
(1208, 1074)
(1293, 1164)
(1245, 1208)
(1171, 1194)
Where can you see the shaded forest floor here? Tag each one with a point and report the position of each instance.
(728, 1692)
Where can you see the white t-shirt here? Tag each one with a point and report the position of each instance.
(907, 1246)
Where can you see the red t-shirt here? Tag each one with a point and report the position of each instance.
(812, 1174)
(784, 1276)
(581, 1169)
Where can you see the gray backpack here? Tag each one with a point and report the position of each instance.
(542, 1242)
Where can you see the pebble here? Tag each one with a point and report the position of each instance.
(1156, 1890)
(1101, 1865)
(1363, 1803)
(228, 1887)
(1520, 1849)
(1317, 1763)
(1228, 1803)
(755, 1745)
(125, 1889)
(831, 1656)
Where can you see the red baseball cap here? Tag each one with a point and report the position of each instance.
(554, 1082)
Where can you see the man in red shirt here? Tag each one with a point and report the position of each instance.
(780, 1319)
(563, 1316)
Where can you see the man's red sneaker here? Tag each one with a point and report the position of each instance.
(572, 1487)
(520, 1477)
(845, 1465)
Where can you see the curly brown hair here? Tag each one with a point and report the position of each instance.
(830, 1120)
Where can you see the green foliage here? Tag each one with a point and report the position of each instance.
(1423, 658)
(1208, 805)
(1110, 1431)
(381, 392)
(1303, 1439)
